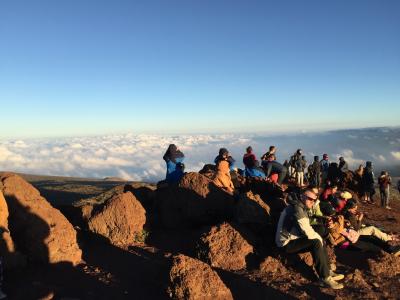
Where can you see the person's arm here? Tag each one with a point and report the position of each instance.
(303, 222)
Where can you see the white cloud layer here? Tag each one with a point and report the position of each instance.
(139, 157)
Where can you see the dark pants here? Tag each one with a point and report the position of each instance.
(282, 175)
(318, 251)
(369, 243)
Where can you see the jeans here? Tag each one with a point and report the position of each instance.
(373, 231)
(385, 197)
(318, 251)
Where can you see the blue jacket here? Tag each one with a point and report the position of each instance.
(254, 172)
(173, 174)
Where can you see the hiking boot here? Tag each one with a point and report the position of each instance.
(336, 276)
(330, 283)
(2, 295)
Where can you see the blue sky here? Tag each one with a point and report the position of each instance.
(83, 67)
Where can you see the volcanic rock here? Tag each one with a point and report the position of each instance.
(251, 209)
(224, 247)
(196, 200)
(118, 219)
(38, 229)
(193, 279)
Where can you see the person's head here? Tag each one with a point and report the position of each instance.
(383, 173)
(172, 147)
(271, 157)
(314, 188)
(316, 158)
(223, 152)
(333, 188)
(325, 157)
(249, 149)
(303, 157)
(308, 197)
(351, 206)
(368, 164)
(360, 167)
(272, 149)
(299, 152)
(341, 158)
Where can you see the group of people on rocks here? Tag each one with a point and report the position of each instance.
(317, 214)
(312, 220)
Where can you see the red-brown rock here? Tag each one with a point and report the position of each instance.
(38, 229)
(195, 201)
(192, 279)
(251, 209)
(224, 247)
(118, 219)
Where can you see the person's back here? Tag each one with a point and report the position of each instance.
(249, 158)
(222, 177)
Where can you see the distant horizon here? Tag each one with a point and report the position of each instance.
(270, 132)
(138, 157)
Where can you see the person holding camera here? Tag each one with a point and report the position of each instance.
(295, 235)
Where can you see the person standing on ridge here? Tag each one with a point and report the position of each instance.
(384, 182)
(324, 169)
(368, 180)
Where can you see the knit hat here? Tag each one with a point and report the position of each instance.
(346, 195)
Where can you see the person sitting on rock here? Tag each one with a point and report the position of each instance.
(255, 171)
(329, 193)
(172, 157)
(295, 234)
(231, 161)
(271, 166)
(340, 202)
(272, 150)
(222, 177)
(249, 158)
(368, 181)
(346, 237)
(355, 220)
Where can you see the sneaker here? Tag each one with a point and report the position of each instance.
(336, 276)
(388, 207)
(330, 283)
(2, 295)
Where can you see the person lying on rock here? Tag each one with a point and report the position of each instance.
(355, 220)
(222, 177)
(271, 166)
(345, 237)
(295, 235)
(172, 157)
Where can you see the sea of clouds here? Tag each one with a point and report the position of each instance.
(138, 157)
